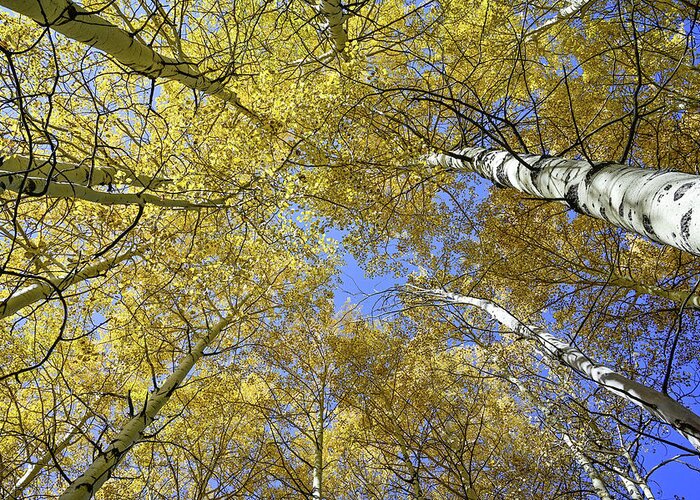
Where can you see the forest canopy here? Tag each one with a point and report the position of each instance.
(185, 183)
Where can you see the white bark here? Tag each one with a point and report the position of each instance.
(579, 456)
(37, 186)
(573, 9)
(333, 13)
(681, 297)
(34, 470)
(639, 480)
(76, 23)
(630, 486)
(83, 487)
(597, 482)
(317, 491)
(660, 205)
(46, 288)
(75, 174)
(657, 403)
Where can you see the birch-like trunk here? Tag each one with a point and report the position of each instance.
(598, 484)
(638, 479)
(690, 299)
(46, 288)
(317, 491)
(579, 456)
(630, 486)
(75, 174)
(655, 402)
(333, 13)
(573, 9)
(34, 470)
(83, 487)
(76, 23)
(37, 186)
(660, 205)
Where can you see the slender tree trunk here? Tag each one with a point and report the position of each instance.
(639, 481)
(655, 402)
(76, 23)
(37, 186)
(660, 205)
(46, 288)
(584, 461)
(416, 489)
(333, 12)
(597, 482)
(679, 296)
(574, 8)
(34, 470)
(83, 487)
(75, 174)
(630, 486)
(317, 492)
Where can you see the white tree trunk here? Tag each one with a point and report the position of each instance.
(36, 186)
(132, 433)
(79, 24)
(557, 430)
(46, 288)
(333, 12)
(317, 491)
(75, 174)
(597, 482)
(34, 470)
(657, 403)
(639, 480)
(630, 486)
(574, 8)
(681, 297)
(663, 206)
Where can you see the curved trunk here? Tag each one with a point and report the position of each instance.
(46, 288)
(36, 469)
(132, 433)
(76, 23)
(655, 402)
(660, 205)
(35, 186)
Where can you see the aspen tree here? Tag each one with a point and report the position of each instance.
(656, 204)
(658, 404)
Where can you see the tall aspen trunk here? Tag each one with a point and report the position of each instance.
(573, 9)
(333, 12)
(638, 479)
(83, 487)
(36, 469)
(46, 288)
(40, 186)
(660, 205)
(655, 402)
(598, 484)
(630, 486)
(579, 456)
(690, 299)
(76, 23)
(317, 491)
(75, 174)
